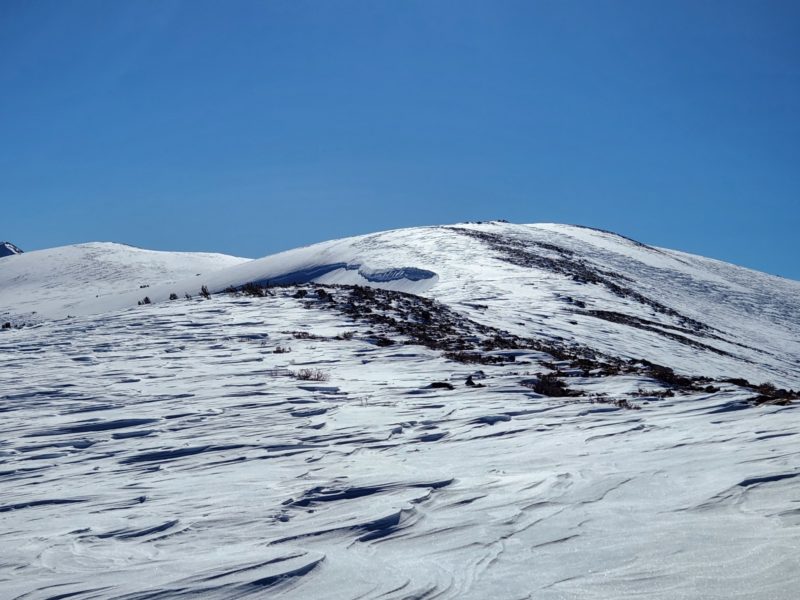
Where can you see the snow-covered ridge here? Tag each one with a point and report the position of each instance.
(86, 278)
(478, 437)
(8, 249)
(559, 282)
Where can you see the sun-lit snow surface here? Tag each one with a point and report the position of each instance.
(167, 451)
(80, 279)
(752, 319)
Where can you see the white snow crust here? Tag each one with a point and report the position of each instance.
(168, 450)
(86, 278)
(753, 318)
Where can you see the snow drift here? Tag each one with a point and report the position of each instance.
(495, 433)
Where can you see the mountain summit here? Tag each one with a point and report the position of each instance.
(8, 249)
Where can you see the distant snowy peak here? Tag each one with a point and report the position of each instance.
(8, 249)
(87, 278)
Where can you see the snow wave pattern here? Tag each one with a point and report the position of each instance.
(171, 452)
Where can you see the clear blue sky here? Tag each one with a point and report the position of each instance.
(249, 127)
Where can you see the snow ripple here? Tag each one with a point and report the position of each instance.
(199, 465)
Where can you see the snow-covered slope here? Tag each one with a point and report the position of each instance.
(179, 450)
(72, 280)
(487, 435)
(557, 282)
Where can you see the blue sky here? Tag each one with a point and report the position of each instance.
(249, 127)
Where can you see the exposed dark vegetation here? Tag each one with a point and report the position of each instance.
(441, 385)
(323, 294)
(382, 341)
(669, 377)
(304, 335)
(204, 292)
(554, 258)
(641, 392)
(766, 393)
(428, 323)
(256, 290)
(478, 358)
(672, 380)
(145, 300)
(470, 382)
(626, 404)
(623, 403)
(661, 329)
(312, 375)
(551, 384)
(398, 317)
(664, 329)
(173, 296)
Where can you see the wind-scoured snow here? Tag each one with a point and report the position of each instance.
(565, 282)
(314, 443)
(169, 450)
(86, 278)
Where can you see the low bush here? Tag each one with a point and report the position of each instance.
(383, 341)
(624, 403)
(253, 289)
(769, 394)
(304, 335)
(441, 385)
(551, 385)
(470, 382)
(477, 358)
(642, 392)
(312, 375)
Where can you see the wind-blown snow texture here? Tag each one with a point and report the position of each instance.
(171, 449)
(86, 278)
